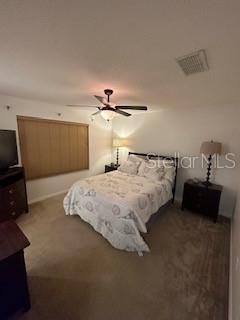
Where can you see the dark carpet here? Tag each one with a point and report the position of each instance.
(74, 273)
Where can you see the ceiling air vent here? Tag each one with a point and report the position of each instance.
(194, 63)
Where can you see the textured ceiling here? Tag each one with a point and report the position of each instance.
(65, 51)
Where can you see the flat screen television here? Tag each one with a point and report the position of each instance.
(8, 149)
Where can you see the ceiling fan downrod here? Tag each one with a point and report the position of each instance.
(108, 93)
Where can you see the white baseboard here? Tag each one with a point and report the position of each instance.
(230, 278)
(47, 196)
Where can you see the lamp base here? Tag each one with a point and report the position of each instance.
(117, 156)
(207, 183)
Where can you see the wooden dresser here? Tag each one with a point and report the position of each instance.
(14, 294)
(13, 195)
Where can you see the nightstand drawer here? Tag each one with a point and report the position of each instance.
(194, 198)
(197, 205)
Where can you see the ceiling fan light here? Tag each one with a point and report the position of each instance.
(108, 114)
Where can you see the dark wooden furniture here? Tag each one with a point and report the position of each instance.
(111, 167)
(201, 198)
(161, 157)
(13, 195)
(14, 294)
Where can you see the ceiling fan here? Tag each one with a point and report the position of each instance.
(109, 110)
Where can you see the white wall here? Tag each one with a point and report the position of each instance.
(183, 130)
(100, 141)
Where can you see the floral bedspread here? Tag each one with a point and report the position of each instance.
(118, 206)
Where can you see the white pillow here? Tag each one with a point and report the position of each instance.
(159, 163)
(134, 158)
(129, 167)
(151, 173)
(169, 174)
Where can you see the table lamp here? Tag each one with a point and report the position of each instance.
(119, 143)
(210, 148)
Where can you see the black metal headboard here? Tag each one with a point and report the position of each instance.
(161, 157)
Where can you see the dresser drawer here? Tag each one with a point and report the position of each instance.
(13, 197)
(10, 209)
(13, 209)
(9, 193)
(13, 190)
(12, 200)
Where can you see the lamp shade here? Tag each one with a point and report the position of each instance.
(120, 143)
(211, 148)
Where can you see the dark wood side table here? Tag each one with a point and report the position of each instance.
(111, 167)
(199, 198)
(14, 294)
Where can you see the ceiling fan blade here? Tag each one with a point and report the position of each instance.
(95, 113)
(123, 113)
(132, 107)
(102, 100)
(80, 106)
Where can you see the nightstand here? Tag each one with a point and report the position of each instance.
(111, 167)
(199, 198)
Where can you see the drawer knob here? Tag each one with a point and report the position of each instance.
(11, 203)
(11, 191)
(13, 213)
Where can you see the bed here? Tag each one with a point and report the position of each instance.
(119, 204)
